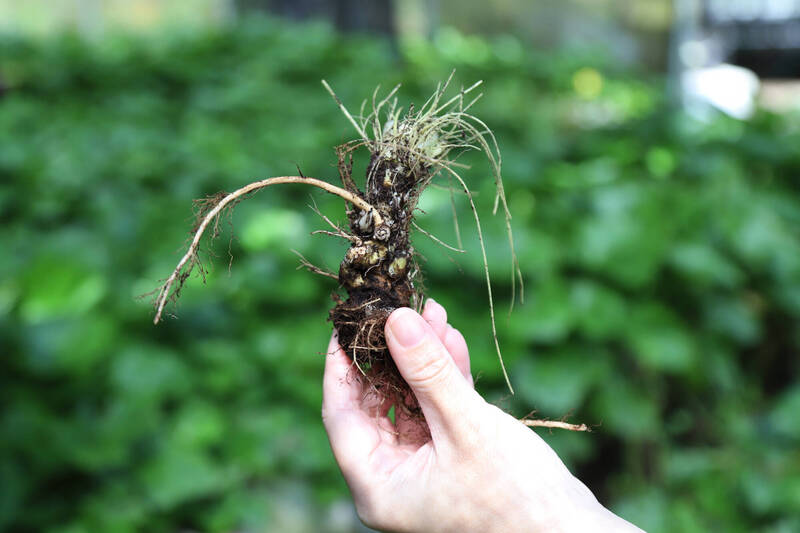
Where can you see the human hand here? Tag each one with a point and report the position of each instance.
(479, 469)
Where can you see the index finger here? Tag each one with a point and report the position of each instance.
(340, 390)
(352, 433)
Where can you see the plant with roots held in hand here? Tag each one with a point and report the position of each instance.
(407, 150)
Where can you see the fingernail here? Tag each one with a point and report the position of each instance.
(407, 327)
(429, 302)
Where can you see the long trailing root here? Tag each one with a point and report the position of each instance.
(486, 273)
(182, 271)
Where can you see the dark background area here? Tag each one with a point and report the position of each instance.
(661, 255)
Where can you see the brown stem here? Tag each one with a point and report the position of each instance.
(191, 253)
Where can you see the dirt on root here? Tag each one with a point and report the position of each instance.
(379, 268)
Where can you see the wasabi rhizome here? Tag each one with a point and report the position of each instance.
(407, 149)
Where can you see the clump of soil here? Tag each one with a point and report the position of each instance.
(407, 150)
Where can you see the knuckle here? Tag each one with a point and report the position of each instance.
(431, 367)
(476, 433)
(471, 441)
(326, 412)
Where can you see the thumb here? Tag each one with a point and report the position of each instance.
(441, 390)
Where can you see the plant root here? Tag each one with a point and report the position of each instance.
(553, 424)
(221, 201)
(305, 263)
(407, 150)
(379, 271)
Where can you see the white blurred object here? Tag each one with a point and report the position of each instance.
(780, 96)
(728, 88)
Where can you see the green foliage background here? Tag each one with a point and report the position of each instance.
(661, 256)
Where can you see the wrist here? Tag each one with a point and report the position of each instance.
(558, 507)
(580, 511)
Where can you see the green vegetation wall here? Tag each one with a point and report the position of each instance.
(661, 258)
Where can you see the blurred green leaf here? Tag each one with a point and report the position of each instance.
(547, 316)
(660, 254)
(658, 339)
(180, 473)
(784, 415)
(556, 383)
(148, 372)
(55, 289)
